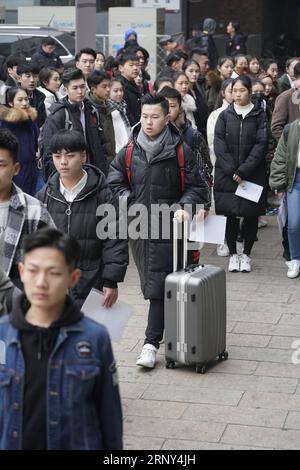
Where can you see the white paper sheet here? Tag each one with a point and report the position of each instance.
(115, 318)
(250, 191)
(211, 230)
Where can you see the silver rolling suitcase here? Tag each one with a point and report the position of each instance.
(195, 312)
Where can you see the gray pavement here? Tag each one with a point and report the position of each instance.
(251, 401)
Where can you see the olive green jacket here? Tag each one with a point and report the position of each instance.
(285, 161)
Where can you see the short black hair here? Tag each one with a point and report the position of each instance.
(52, 238)
(28, 67)
(48, 41)
(8, 141)
(70, 140)
(156, 99)
(173, 58)
(168, 92)
(71, 74)
(198, 52)
(14, 59)
(160, 80)
(96, 77)
(127, 58)
(86, 50)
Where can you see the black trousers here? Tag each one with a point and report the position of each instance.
(156, 322)
(250, 226)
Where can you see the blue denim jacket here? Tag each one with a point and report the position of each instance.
(83, 402)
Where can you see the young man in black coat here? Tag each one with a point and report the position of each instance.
(74, 111)
(73, 195)
(154, 177)
(45, 56)
(129, 67)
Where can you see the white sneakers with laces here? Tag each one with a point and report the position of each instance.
(245, 264)
(239, 263)
(147, 357)
(234, 264)
(294, 268)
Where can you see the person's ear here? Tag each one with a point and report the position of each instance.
(21, 269)
(17, 168)
(84, 157)
(75, 276)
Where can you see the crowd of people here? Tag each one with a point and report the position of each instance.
(77, 137)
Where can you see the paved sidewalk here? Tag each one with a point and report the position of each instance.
(251, 401)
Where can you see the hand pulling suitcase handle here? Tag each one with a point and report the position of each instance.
(175, 243)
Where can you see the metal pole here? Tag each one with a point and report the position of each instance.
(85, 24)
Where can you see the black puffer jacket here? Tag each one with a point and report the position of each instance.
(240, 147)
(101, 261)
(65, 115)
(156, 182)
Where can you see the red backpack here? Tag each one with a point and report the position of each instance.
(180, 162)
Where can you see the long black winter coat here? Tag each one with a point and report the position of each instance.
(156, 182)
(101, 261)
(240, 147)
(133, 97)
(57, 121)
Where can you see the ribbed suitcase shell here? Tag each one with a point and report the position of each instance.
(195, 315)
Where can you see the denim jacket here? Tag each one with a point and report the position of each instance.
(83, 401)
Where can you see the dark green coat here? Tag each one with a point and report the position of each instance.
(284, 163)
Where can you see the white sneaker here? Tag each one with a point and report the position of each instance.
(223, 250)
(245, 264)
(294, 268)
(147, 357)
(234, 264)
(262, 222)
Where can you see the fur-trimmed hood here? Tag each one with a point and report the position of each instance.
(14, 115)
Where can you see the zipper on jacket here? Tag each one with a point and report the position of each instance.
(240, 139)
(68, 211)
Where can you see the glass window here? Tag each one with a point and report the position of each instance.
(68, 41)
(30, 44)
(9, 44)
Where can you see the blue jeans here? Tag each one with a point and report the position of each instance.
(293, 204)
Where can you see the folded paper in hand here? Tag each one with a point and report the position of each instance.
(250, 191)
(115, 318)
(211, 230)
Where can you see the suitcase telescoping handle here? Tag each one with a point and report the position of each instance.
(175, 243)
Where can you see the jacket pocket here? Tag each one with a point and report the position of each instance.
(80, 383)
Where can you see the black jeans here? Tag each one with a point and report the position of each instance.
(250, 226)
(156, 322)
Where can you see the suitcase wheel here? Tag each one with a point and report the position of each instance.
(170, 365)
(224, 355)
(200, 368)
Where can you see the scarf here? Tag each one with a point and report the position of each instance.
(122, 108)
(162, 144)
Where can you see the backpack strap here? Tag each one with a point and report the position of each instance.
(181, 165)
(128, 162)
(68, 122)
(180, 161)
